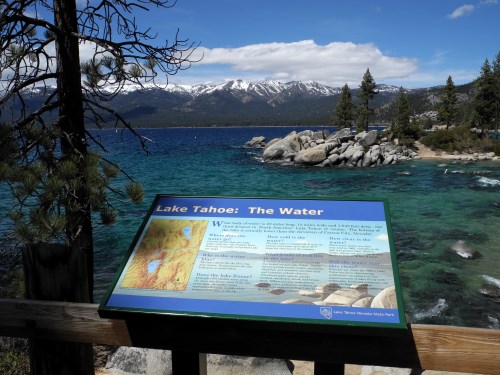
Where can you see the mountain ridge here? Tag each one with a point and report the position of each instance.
(247, 103)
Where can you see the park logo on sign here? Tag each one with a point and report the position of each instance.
(326, 312)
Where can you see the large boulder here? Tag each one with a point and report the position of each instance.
(356, 156)
(256, 142)
(289, 144)
(311, 156)
(333, 159)
(334, 142)
(349, 152)
(367, 139)
(343, 135)
(375, 153)
(136, 361)
(388, 160)
(320, 135)
(131, 360)
(367, 159)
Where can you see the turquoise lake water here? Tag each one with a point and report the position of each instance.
(430, 209)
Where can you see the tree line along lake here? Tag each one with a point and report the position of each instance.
(430, 210)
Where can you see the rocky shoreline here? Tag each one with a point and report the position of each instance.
(345, 149)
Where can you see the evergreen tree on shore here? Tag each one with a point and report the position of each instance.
(402, 127)
(343, 115)
(496, 75)
(485, 99)
(403, 115)
(447, 111)
(366, 94)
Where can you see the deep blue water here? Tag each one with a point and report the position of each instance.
(429, 209)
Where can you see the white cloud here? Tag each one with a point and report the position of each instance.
(438, 58)
(335, 63)
(436, 77)
(464, 10)
(382, 237)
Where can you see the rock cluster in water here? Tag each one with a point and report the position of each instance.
(343, 149)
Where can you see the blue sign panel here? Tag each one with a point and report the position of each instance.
(307, 261)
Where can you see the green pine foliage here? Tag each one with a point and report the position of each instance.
(343, 115)
(496, 77)
(485, 101)
(42, 183)
(402, 128)
(366, 94)
(448, 109)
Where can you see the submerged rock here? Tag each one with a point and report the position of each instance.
(462, 249)
(489, 290)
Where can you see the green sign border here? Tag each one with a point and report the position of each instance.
(320, 324)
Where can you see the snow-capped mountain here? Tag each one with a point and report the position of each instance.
(265, 89)
(230, 103)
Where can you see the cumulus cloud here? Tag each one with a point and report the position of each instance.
(464, 10)
(335, 63)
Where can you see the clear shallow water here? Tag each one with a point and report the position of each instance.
(430, 210)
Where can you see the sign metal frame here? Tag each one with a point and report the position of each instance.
(320, 215)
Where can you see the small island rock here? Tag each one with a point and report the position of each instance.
(341, 149)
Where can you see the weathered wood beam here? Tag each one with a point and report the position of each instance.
(61, 321)
(444, 348)
(459, 349)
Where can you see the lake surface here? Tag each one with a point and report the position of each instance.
(430, 209)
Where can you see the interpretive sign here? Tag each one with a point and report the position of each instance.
(289, 260)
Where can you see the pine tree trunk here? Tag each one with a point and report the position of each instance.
(55, 272)
(71, 122)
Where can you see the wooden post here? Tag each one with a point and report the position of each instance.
(188, 363)
(56, 272)
(323, 368)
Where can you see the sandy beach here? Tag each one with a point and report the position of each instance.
(427, 153)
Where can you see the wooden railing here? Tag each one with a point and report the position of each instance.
(443, 348)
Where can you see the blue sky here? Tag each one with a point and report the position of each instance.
(405, 43)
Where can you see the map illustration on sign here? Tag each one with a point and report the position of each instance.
(166, 255)
(313, 261)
